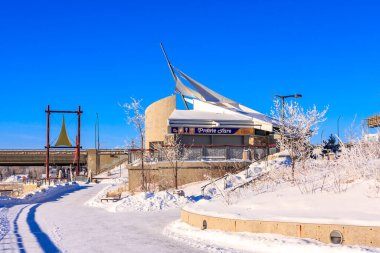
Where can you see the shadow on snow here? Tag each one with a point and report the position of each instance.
(42, 238)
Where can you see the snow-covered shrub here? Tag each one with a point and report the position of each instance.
(359, 161)
(296, 126)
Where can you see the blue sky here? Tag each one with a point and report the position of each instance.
(98, 54)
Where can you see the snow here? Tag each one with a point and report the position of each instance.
(203, 115)
(317, 196)
(72, 218)
(144, 201)
(15, 178)
(42, 194)
(219, 241)
(287, 204)
(117, 175)
(63, 223)
(4, 223)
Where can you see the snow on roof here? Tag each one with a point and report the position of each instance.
(202, 115)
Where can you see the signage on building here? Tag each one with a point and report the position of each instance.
(211, 131)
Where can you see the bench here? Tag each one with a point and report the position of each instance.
(6, 193)
(111, 197)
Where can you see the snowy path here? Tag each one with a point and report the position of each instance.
(65, 224)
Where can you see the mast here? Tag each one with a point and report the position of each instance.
(173, 73)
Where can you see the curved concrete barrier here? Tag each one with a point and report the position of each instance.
(352, 235)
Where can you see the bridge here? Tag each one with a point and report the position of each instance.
(95, 160)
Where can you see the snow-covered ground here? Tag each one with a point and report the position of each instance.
(71, 218)
(352, 207)
(40, 195)
(145, 201)
(62, 223)
(117, 175)
(320, 196)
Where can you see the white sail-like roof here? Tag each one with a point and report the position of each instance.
(206, 93)
(211, 101)
(186, 91)
(210, 108)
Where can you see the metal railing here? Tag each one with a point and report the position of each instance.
(213, 181)
(206, 153)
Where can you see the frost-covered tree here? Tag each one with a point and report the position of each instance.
(175, 153)
(296, 126)
(136, 117)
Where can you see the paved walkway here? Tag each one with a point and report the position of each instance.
(64, 224)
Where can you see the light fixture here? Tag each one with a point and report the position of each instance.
(336, 237)
(204, 225)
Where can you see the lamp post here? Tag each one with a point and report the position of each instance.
(322, 136)
(338, 126)
(283, 105)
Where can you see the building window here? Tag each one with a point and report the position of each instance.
(259, 132)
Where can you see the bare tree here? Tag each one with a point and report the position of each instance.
(175, 153)
(136, 117)
(296, 127)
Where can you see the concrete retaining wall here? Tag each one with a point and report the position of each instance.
(98, 162)
(352, 235)
(29, 188)
(162, 174)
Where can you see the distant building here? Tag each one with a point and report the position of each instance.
(209, 120)
(371, 137)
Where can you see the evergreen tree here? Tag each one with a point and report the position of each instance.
(331, 145)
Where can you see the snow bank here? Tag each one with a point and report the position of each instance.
(47, 193)
(117, 175)
(40, 195)
(145, 201)
(219, 188)
(15, 178)
(317, 195)
(286, 203)
(164, 199)
(218, 241)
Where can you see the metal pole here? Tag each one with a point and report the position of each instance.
(98, 143)
(47, 141)
(173, 73)
(95, 134)
(322, 136)
(283, 116)
(283, 109)
(78, 144)
(97, 121)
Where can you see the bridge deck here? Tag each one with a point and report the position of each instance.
(37, 157)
